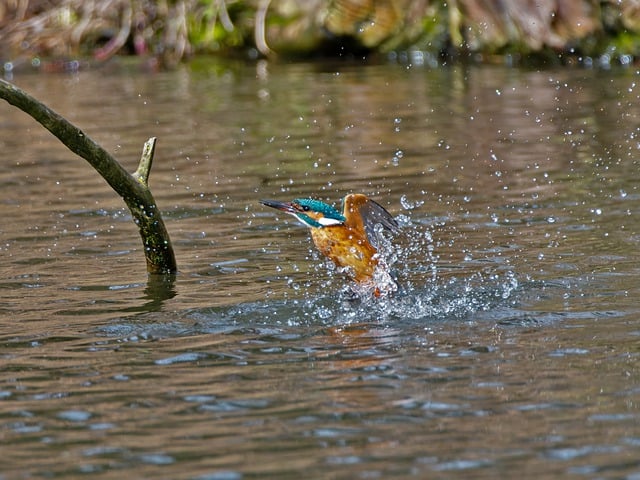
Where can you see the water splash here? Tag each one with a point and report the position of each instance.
(456, 298)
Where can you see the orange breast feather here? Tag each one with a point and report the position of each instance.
(348, 245)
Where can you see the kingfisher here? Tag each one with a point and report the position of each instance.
(349, 239)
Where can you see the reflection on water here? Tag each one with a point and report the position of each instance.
(511, 346)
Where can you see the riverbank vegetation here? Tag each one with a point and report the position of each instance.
(49, 33)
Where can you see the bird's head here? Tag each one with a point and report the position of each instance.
(313, 213)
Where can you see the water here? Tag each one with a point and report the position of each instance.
(511, 348)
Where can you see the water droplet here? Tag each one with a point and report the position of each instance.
(409, 205)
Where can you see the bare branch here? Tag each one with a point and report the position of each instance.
(132, 188)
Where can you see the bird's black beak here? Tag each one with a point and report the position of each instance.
(283, 206)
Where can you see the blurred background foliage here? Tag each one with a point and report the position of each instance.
(165, 32)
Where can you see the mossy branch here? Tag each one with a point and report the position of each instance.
(146, 159)
(133, 189)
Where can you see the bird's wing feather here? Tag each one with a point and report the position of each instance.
(362, 212)
(372, 214)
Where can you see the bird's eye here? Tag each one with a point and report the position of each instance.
(305, 208)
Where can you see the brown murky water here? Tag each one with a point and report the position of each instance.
(511, 350)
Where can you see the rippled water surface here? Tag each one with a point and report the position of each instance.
(511, 349)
